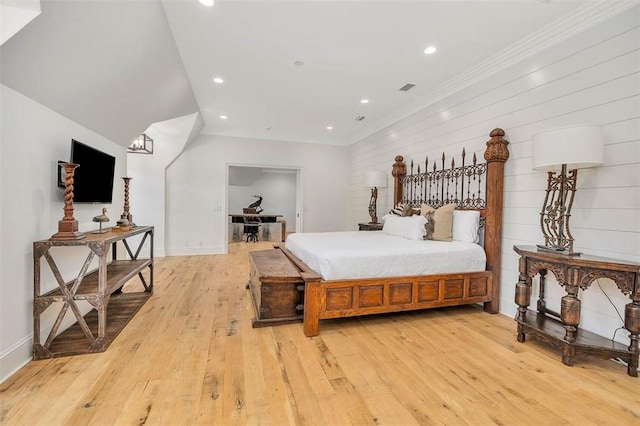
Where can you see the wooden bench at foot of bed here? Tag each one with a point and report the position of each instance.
(350, 298)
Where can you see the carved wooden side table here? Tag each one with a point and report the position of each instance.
(561, 330)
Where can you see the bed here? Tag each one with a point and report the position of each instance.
(329, 293)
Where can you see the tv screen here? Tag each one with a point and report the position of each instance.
(93, 180)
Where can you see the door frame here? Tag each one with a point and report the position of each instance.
(299, 195)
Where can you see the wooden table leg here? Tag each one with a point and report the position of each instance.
(522, 297)
(632, 324)
(570, 313)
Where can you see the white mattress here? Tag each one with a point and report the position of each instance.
(351, 255)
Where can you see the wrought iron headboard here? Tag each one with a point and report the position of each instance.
(464, 185)
(472, 186)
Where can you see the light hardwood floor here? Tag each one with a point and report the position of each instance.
(191, 357)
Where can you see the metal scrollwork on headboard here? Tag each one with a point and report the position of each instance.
(463, 185)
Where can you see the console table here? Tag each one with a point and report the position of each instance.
(102, 288)
(561, 330)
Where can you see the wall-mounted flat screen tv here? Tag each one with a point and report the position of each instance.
(93, 180)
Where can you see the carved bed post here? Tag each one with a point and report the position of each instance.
(495, 155)
(399, 171)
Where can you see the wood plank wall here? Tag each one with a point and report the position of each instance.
(590, 78)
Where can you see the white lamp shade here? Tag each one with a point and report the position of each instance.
(578, 147)
(375, 179)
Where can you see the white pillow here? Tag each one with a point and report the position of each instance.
(466, 224)
(409, 227)
(386, 216)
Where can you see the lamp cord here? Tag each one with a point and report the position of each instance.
(614, 307)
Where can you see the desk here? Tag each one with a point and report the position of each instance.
(561, 330)
(272, 227)
(262, 218)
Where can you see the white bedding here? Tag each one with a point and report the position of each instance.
(352, 255)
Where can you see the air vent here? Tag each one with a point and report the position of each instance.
(360, 118)
(407, 87)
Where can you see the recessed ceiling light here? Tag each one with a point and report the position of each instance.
(329, 127)
(364, 101)
(218, 80)
(429, 50)
(206, 2)
(223, 117)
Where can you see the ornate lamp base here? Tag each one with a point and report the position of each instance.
(68, 230)
(558, 250)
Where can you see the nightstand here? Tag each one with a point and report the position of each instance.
(366, 226)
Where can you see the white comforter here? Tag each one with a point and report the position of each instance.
(351, 255)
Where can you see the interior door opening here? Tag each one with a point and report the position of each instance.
(275, 191)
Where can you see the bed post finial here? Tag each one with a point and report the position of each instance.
(399, 172)
(497, 147)
(495, 155)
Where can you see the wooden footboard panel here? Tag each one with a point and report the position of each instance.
(373, 296)
(350, 298)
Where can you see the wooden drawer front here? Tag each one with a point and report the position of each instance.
(428, 291)
(371, 296)
(454, 289)
(339, 298)
(478, 287)
(400, 294)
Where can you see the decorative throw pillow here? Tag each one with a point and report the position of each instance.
(397, 210)
(429, 226)
(466, 224)
(404, 210)
(407, 210)
(442, 221)
(411, 227)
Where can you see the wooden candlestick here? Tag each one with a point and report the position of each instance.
(68, 226)
(126, 214)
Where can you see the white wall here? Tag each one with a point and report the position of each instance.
(278, 191)
(147, 188)
(34, 138)
(197, 182)
(592, 78)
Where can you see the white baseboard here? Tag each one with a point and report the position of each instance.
(16, 357)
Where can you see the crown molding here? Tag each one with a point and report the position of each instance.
(575, 22)
(215, 131)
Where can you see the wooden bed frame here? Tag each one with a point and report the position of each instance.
(476, 186)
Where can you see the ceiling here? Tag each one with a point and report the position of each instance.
(350, 50)
(291, 68)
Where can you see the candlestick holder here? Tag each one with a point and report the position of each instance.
(126, 215)
(68, 226)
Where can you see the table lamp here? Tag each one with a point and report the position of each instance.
(558, 151)
(374, 180)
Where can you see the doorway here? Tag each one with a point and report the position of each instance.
(280, 190)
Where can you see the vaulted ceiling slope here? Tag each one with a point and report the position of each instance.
(111, 66)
